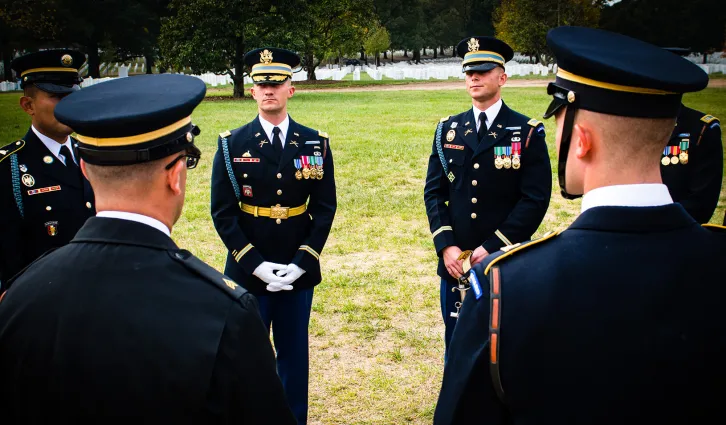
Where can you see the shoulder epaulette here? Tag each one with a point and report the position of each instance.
(10, 149)
(196, 265)
(714, 227)
(511, 249)
(708, 119)
(444, 119)
(225, 134)
(534, 123)
(323, 134)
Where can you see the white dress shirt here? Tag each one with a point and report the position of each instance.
(53, 146)
(268, 126)
(156, 224)
(627, 195)
(491, 114)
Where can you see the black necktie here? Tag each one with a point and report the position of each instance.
(69, 158)
(482, 125)
(276, 141)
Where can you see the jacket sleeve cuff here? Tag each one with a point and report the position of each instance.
(496, 242)
(443, 237)
(248, 257)
(306, 257)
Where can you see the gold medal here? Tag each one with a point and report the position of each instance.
(683, 157)
(516, 161)
(313, 172)
(320, 173)
(507, 162)
(298, 175)
(665, 161)
(498, 163)
(306, 173)
(674, 160)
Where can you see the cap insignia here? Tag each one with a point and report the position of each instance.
(67, 60)
(266, 56)
(473, 44)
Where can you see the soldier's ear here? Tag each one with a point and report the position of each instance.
(26, 102)
(582, 140)
(176, 177)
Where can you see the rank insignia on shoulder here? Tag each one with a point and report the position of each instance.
(708, 119)
(510, 250)
(323, 134)
(444, 119)
(10, 149)
(534, 123)
(230, 284)
(225, 134)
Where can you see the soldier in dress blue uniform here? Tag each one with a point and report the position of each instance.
(489, 177)
(44, 198)
(692, 162)
(619, 318)
(121, 324)
(273, 203)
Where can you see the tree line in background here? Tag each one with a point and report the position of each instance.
(214, 35)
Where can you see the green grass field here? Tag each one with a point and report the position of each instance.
(376, 331)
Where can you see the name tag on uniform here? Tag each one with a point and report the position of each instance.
(44, 190)
(457, 147)
(312, 142)
(246, 159)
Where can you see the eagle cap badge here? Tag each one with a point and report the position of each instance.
(266, 56)
(473, 44)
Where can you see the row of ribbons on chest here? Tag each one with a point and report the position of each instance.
(309, 167)
(508, 156)
(676, 154)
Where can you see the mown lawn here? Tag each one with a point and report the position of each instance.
(376, 331)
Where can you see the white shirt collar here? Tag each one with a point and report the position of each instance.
(627, 195)
(149, 221)
(268, 126)
(53, 146)
(491, 112)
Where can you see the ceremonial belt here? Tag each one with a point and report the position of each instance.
(274, 212)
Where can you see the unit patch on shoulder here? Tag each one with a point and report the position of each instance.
(225, 134)
(10, 149)
(708, 119)
(520, 246)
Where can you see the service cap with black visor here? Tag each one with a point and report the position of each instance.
(614, 74)
(136, 119)
(53, 71)
(482, 54)
(271, 65)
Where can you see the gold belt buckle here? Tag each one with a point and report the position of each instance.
(279, 212)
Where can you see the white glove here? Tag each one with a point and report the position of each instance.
(266, 272)
(290, 274)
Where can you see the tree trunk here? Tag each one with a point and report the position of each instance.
(239, 70)
(309, 58)
(93, 60)
(405, 53)
(7, 53)
(441, 51)
(378, 59)
(435, 52)
(385, 54)
(362, 54)
(417, 56)
(453, 51)
(149, 64)
(424, 51)
(705, 57)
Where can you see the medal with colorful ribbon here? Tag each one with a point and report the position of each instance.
(298, 165)
(683, 156)
(319, 162)
(507, 157)
(306, 167)
(498, 161)
(666, 160)
(313, 168)
(675, 150)
(516, 153)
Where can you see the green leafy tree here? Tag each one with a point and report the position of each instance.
(214, 35)
(524, 23)
(378, 41)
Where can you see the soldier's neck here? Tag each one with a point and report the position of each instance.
(484, 104)
(614, 175)
(59, 138)
(274, 118)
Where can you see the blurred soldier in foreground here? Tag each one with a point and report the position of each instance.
(121, 324)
